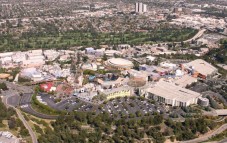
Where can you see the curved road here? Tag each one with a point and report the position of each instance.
(206, 137)
(198, 35)
(31, 111)
(21, 117)
(26, 100)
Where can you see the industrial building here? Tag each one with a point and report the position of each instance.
(171, 94)
(185, 80)
(201, 68)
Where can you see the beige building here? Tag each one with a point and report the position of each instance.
(117, 92)
(171, 94)
(119, 64)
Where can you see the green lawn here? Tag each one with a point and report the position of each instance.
(79, 38)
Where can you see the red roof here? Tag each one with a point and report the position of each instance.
(46, 86)
(64, 88)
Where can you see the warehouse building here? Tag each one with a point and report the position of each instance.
(201, 68)
(185, 80)
(171, 94)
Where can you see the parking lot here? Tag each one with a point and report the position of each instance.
(119, 107)
(131, 106)
(70, 104)
(7, 137)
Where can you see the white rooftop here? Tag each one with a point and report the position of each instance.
(185, 80)
(169, 90)
(221, 112)
(202, 67)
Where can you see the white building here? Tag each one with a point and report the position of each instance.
(19, 57)
(202, 67)
(35, 52)
(37, 77)
(140, 7)
(91, 66)
(51, 54)
(111, 53)
(33, 63)
(171, 94)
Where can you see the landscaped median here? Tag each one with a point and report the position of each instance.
(44, 109)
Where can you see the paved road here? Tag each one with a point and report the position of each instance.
(206, 137)
(21, 117)
(223, 141)
(198, 35)
(31, 111)
(26, 100)
(32, 134)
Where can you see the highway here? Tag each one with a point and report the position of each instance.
(207, 136)
(198, 35)
(21, 117)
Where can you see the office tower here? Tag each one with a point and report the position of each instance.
(140, 7)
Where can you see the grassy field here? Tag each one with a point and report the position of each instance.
(79, 38)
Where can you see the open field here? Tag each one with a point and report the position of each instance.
(79, 38)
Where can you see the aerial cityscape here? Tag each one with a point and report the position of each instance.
(114, 71)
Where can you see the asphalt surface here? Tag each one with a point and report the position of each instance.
(26, 100)
(32, 134)
(21, 117)
(198, 35)
(31, 111)
(13, 100)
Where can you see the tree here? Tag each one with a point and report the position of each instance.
(104, 58)
(3, 86)
(85, 58)
(12, 123)
(172, 138)
(136, 65)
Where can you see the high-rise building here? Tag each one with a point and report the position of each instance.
(140, 7)
(137, 7)
(144, 8)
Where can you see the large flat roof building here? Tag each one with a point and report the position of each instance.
(202, 67)
(185, 80)
(171, 94)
